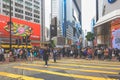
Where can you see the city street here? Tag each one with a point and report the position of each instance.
(64, 69)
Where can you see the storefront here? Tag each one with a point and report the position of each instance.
(107, 30)
(19, 29)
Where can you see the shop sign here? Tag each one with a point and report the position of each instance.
(111, 1)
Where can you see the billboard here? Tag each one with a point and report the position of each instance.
(116, 36)
(19, 28)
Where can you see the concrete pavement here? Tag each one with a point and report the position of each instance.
(64, 69)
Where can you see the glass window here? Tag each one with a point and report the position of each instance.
(36, 11)
(28, 4)
(36, 20)
(18, 10)
(18, 5)
(28, 13)
(28, 18)
(19, 16)
(36, 2)
(28, 8)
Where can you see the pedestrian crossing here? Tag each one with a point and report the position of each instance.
(62, 74)
(18, 77)
(73, 69)
(77, 69)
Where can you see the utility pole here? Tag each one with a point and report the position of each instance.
(10, 23)
(97, 14)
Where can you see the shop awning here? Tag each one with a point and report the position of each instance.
(111, 16)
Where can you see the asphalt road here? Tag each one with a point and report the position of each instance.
(64, 69)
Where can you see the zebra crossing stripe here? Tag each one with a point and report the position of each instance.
(94, 61)
(86, 66)
(88, 63)
(63, 74)
(18, 77)
(83, 70)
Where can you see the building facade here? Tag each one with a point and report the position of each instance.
(71, 20)
(107, 27)
(64, 18)
(26, 18)
(23, 9)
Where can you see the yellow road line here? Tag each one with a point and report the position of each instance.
(17, 76)
(86, 66)
(64, 74)
(89, 61)
(95, 71)
(92, 64)
(104, 63)
(94, 61)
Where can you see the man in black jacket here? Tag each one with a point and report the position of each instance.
(46, 56)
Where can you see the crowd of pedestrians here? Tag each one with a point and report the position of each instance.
(23, 54)
(99, 53)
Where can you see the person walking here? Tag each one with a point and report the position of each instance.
(46, 56)
(2, 58)
(106, 53)
(99, 53)
(55, 54)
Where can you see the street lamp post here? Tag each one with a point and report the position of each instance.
(10, 22)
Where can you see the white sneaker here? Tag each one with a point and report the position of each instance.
(46, 66)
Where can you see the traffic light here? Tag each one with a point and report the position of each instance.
(18, 41)
(26, 39)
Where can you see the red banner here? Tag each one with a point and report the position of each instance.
(19, 28)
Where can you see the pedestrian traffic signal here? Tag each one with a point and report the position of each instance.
(26, 39)
(18, 41)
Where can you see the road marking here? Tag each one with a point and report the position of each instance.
(95, 61)
(89, 61)
(86, 66)
(95, 71)
(18, 77)
(100, 64)
(64, 74)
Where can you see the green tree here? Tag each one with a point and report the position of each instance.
(90, 37)
(52, 44)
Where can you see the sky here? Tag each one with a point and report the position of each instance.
(88, 12)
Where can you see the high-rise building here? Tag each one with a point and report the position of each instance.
(71, 19)
(68, 14)
(26, 19)
(23, 9)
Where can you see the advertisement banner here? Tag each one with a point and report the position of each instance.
(115, 35)
(19, 28)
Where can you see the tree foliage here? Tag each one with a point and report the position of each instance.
(52, 44)
(90, 36)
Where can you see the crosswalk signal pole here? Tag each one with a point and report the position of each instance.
(26, 39)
